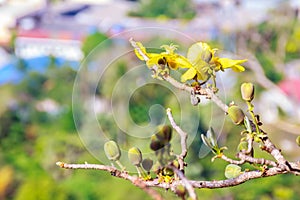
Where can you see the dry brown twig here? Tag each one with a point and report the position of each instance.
(271, 168)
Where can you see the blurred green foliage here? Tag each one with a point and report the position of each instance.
(91, 42)
(181, 9)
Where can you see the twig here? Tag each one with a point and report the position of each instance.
(183, 139)
(276, 153)
(186, 183)
(260, 161)
(135, 46)
(245, 176)
(216, 100)
(236, 162)
(117, 173)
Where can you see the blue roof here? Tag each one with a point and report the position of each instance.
(11, 73)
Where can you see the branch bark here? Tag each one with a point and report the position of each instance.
(183, 139)
(117, 173)
(245, 176)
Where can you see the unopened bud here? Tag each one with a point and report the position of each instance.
(147, 164)
(164, 134)
(156, 144)
(236, 114)
(112, 150)
(135, 156)
(247, 90)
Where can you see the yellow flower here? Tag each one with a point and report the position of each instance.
(224, 63)
(199, 55)
(205, 63)
(168, 57)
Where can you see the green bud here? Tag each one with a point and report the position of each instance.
(164, 134)
(236, 114)
(156, 144)
(247, 90)
(112, 150)
(298, 140)
(180, 190)
(232, 171)
(147, 164)
(135, 156)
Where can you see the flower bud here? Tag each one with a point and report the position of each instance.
(147, 164)
(180, 190)
(135, 156)
(165, 134)
(298, 140)
(156, 144)
(247, 90)
(112, 150)
(232, 171)
(236, 114)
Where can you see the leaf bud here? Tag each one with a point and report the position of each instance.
(135, 156)
(247, 90)
(112, 150)
(232, 171)
(236, 114)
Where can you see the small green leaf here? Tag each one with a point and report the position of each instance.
(206, 141)
(243, 146)
(247, 124)
(212, 136)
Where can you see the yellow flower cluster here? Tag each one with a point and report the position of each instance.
(200, 61)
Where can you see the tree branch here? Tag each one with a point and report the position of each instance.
(245, 176)
(186, 183)
(183, 139)
(117, 173)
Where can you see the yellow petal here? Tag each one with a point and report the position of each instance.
(227, 63)
(188, 75)
(142, 49)
(238, 68)
(181, 61)
(153, 59)
(200, 51)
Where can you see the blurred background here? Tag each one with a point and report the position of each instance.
(43, 45)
